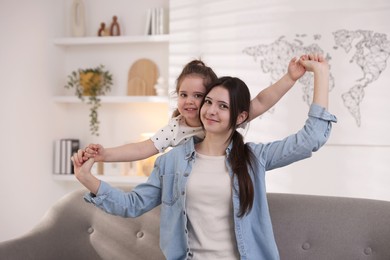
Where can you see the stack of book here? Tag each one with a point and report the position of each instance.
(156, 21)
(63, 151)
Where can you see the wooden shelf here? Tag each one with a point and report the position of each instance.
(115, 99)
(77, 41)
(132, 180)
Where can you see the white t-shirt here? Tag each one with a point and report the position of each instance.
(209, 209)
(175, 133)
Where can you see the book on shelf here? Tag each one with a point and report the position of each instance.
(148, 22)
(63, 151)
(156, 21)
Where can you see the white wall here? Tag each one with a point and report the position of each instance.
(26, 113)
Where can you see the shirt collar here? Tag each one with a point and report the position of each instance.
(189, 147)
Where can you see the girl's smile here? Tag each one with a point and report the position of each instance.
(190, 96)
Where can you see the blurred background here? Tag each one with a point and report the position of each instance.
(252, 39)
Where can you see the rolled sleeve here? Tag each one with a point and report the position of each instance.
(327, 119)
(321, 113)
(102, 193)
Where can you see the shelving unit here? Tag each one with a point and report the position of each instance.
(116, 53)
(75, 41)
(115, 99)
(131, 180)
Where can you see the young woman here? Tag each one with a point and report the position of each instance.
(212, 191)
(191, 86)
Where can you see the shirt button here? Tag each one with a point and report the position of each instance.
(140, 234)
(184, 212)
(186, 174)
(183, 192)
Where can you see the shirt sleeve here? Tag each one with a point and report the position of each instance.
(175, 133)
(163, 138)
(301, 145)
(139, 200)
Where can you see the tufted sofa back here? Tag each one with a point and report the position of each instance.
(330, 228)
(305, 227)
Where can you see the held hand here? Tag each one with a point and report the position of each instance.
(319, 66)
(314, 62)
(295, 69)
(82, 168)
(95, 151)
(82, 171)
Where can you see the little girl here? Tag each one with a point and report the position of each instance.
(191, 85)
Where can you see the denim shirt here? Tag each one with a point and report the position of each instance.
(166, 186)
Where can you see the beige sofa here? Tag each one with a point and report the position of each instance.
(306, 227)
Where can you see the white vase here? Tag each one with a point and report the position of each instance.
(160, 87)
(78, 18)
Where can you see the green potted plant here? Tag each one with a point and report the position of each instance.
(91, 82)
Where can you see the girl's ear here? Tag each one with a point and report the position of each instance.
(241, 118)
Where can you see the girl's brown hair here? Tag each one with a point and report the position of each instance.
(198, 68)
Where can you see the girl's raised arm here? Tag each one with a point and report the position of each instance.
(269, 96)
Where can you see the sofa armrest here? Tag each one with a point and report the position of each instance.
(61, 234)
(74, 229)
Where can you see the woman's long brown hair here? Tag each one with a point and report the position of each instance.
(241, 157)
